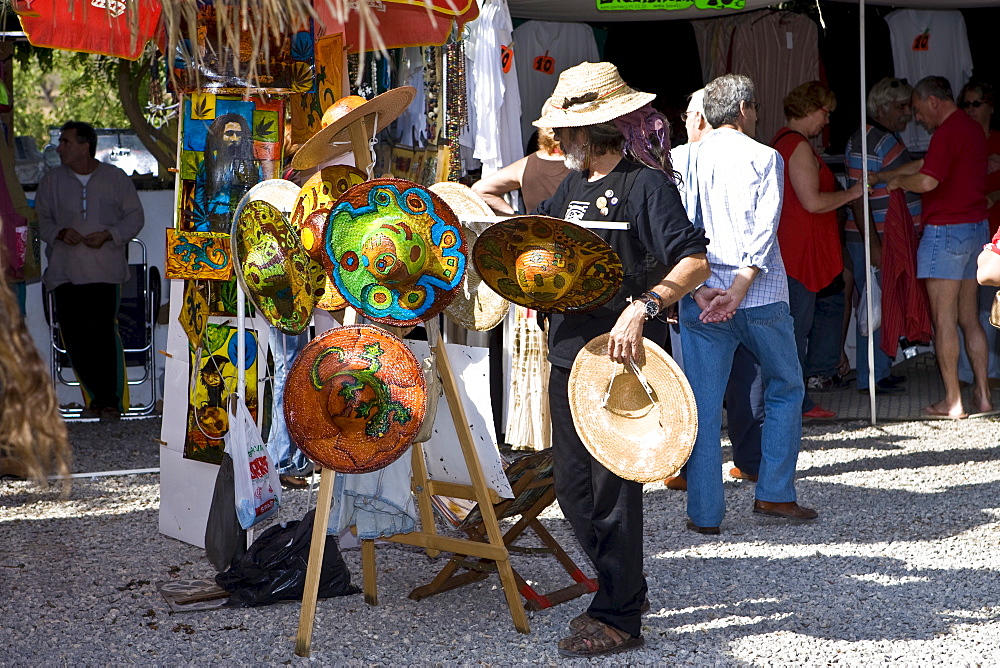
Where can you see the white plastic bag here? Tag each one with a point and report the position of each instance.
(258, 490)
(876, 305)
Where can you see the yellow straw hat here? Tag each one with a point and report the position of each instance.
(335, 137)
(640, 422)
(475, 306)
(588, 94)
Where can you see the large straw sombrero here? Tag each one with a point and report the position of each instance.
(588, 94)
(354, 399)
(475, 306)
(548, 264)
(311, 211)
(335, 138)
(395, 251)
(641, 428)
(271, 265)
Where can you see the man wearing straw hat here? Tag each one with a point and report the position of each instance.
(745, 301)
(619, 149)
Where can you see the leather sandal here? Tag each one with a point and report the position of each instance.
(581, 620)
(596, 638)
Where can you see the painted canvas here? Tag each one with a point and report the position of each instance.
(228, 145)
(198, 255)
(213, 379)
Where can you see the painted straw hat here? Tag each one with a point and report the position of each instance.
(395, 251)
(354, 399)
(547, 264)
(309, 216)
(335, 138)
(475, 306)
(588, 94)
(271, 265)
(641, 427)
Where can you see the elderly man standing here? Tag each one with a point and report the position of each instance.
(952, 179)
(88, 211)
(745, 390)
(744, 301)
(619, 149)
(889, 113)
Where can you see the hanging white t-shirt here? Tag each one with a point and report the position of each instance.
(493, 98)
(924, 43)
(542, 51)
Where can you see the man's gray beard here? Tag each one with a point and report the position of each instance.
(575, 158)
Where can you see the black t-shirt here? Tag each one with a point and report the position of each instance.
(659, 236)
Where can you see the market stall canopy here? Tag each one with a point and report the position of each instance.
(622, 10)
(399, 23)
(108, 27)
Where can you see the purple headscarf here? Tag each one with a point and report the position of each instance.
(647, 133)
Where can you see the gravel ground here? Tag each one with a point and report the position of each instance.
(901, 568)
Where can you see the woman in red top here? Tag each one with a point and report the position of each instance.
(808, 232)
(977, 101)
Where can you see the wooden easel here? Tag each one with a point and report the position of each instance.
(427, 537)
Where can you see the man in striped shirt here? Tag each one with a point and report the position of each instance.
(745, 300)
(889, 113)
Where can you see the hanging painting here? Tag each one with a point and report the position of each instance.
(229, 144)
(213, 379)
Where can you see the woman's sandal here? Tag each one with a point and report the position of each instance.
(596, 638)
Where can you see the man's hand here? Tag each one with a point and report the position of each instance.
(704, 295)
(625, 343)
(69, 236)
(97, 239)
(877, 255)
(722, 307)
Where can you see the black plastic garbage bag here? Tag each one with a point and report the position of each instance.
(274, 568)
(225, 539)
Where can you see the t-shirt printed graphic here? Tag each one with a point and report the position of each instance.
(576, 210)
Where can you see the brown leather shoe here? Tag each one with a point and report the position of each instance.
(677, 482)
(788, 510)
(711, 531)
(740, 475)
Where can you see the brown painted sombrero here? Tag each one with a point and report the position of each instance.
(395, 251)
(548, 264)
(354, 399)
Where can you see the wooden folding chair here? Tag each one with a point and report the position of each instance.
(532, 482)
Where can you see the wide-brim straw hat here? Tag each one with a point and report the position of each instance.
(354, 399)
(641, 428)
(395, 251)
(475, 306)
(588, 94)
(335, 138)
(279, 278)
(311, 212)
(547, 264)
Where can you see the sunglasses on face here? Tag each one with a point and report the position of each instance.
(975, 104)
(896, 83)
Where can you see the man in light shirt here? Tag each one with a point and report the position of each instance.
(744, 301)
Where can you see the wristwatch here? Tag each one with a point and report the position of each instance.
(650, 306)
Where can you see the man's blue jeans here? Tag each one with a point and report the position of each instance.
(287, 457)
(767, 331)
(882, 362)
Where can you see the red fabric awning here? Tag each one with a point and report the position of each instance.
(93, 26)
(402, 22)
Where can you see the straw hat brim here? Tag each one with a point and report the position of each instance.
(475, 306)
(596, 268)
(374, 423)
(633, 437)
(279, 193)
(597, 112)
(335, 139)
